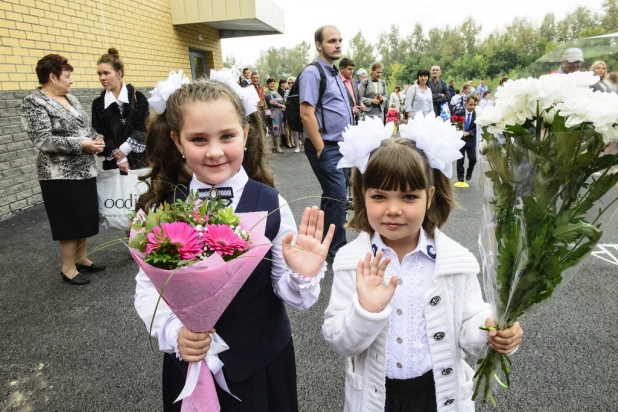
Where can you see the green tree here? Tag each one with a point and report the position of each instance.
(298, 58)
(362, 52)
(230, 62)
(610, 20)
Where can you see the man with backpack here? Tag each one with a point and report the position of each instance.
(324, 111)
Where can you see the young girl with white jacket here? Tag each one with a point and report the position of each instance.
(406, 302)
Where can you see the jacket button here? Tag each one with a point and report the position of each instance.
(449, 401)
(399, 365)
(447, 371)
(399, 311)
(439, 336)
(399, 340)
(400, 282)
(435, 300)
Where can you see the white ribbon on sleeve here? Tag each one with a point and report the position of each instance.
(215, 365)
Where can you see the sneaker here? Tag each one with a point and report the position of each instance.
(461, 184)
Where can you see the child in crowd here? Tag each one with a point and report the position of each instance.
(406, 302)
(214, 144)
(469, 136)
(393, 116)
(460, 106)
(486, 100)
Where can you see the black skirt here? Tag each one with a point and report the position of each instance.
(72, 207)
(411, 395)
(271, 389)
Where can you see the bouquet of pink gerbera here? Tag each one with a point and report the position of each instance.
(198, 254)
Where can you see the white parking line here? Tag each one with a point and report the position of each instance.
(606, 254)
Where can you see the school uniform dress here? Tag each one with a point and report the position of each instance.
(396, 358)
(469, 149)
(260, 364)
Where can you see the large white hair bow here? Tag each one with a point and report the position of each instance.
(165, 88)
(248, 96)
(359, 141)
(439, 140)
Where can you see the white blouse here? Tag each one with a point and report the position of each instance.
(407, 349)
(295, 290)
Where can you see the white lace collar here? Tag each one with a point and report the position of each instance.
(123, 97)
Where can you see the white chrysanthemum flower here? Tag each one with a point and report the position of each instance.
(439, 140)
(359, 141)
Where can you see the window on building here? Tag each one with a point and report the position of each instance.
(198, 64)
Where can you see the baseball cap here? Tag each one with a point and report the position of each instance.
(573, 55)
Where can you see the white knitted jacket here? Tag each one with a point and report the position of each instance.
(454, 310)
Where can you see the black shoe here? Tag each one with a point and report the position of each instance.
(92, 268)
(468, 178)
(77, 280)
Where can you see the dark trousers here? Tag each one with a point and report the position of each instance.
(332, 181)
(411, 395)
(271, 389)
(471, 152)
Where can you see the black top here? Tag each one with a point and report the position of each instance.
(116, 128)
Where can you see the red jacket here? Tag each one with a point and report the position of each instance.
(392, 116)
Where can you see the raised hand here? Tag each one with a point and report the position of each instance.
(307, 256)
(373, 296)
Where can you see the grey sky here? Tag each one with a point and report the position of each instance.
(303, 17)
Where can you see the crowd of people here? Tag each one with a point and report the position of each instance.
(205, 138)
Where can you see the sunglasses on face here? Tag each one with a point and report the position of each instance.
(290, 82)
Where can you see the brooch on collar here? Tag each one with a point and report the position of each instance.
(431, 251)
(374, 249)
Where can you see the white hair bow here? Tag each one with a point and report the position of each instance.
(439, 140)
(359, 141)
(165, 88)
(248, 96)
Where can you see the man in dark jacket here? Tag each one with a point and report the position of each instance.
(439, 90)
(346, 71)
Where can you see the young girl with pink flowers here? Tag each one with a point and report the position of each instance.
(206, 137)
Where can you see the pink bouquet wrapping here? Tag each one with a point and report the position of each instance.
(198, 287)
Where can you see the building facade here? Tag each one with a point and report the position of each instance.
(153, 37)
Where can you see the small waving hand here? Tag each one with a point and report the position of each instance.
(373, 296)
(307, 256)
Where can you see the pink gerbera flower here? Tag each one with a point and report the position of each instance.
(181, 234)
(223, 240)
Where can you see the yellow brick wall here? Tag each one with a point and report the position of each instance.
(142, 31)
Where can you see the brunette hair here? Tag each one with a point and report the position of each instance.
(113, 59)
(377, 65)
(503, 80)
(270, 80)
(397, 88)
(613, 77)
(422, 72)
(399, 165)
(168, 168)
(473, 97)
(52, 63)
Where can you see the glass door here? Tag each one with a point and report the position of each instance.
(198, 64)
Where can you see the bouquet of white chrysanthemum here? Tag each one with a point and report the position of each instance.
(547, 192)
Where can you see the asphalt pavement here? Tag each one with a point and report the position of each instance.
(66, 348)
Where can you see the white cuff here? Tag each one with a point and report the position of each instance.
(302, 283)
(172, 330)
(126, 148)
(123, 160)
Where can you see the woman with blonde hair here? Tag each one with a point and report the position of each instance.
(600, 69)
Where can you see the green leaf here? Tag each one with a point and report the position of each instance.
(573, 232)
(138, 242)
(227, 216)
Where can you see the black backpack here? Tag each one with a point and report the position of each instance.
(292, 104)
